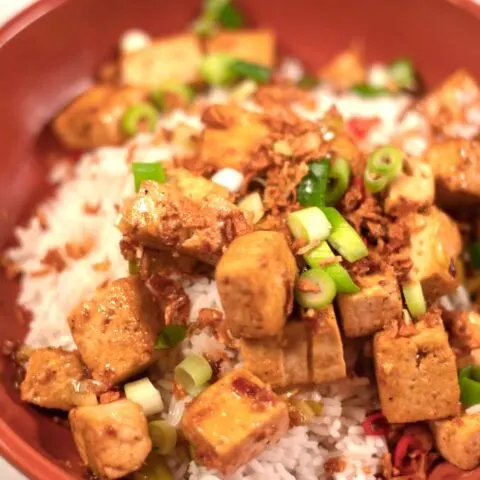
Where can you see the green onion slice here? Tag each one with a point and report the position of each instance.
(403, 73)
(373, 182)
(386, 162)
(133, 267)
(365, 90)
(413, 294)
(158, 96)
(339, 274)
(145, 394)
(338, 180)
(139, 117)
(469, 381)
(193, 372)
(215, 12)
(216, 69)
(315, 289)
(147, 171)
(230, 17)
(163, 436)
(474, 250)
(343, 237)
(310, 225)
(312, 188)
(256, 72)
(308, 81)
(154, 468)
(171, 336)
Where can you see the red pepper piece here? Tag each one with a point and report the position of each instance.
(407, 450)
(376, 424)
(359, 127)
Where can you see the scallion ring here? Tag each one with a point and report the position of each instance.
(147, 171)
(139, 117)
(310, 225)
(374, 182)
(338, 180)
(216, 69)
(365, 90)
(171, 336)
(193, 372)
(258, 73)
(469, 381)
(133, 267)
(403, 73)
(386, 162)
(163, 436)
(315, 289)
(183, 91)
(230, 17)
(413, 294)
(145, 394)
(313, 186)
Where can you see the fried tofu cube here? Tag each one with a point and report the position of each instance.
(435, 246)
(255, 279)
(411, 191)
(325, 345)
(195, 186)
(378, 302)
(416, 374)
(234, 420)
(458, 440)
(52, 377)
(112, 438)
(456, 166)
(464, 329)
(173, 59)
(345, 70)
(255, 46)
(93, 119)
(116, 330)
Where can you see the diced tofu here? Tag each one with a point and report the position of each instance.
(458, 440)
(456, 167)
(255, 279)
(345, 70)
(416, 374)
(255, 46)
(53, 376)
(464, 329)
(411, 191)
(295, 353)
(116, 330)
(93, 119)
(112, 438)
(435, 246)
(173, 59)
(233, 421)
(378, 302)
(161, 217)
(325, 345)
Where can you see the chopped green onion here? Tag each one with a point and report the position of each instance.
(256, 72)
(338, 180)
(343, 237)
(147, 171)
(403, 73)
(469, 381)
(319, 169)
(413, 294)
(133, 267)
(215, 12)
(310, 225)
(184, 91)
(216, 69)
(339, 274)
(139, 117)
(146, 395)
(365, 90)
(315, 289)
(386, 162)
(307, 82)
(193, 372)
(171, 336)
(163, 436)
(474, 250)
(230, 17)
(311, 190)
(374, 182)
(154, 468)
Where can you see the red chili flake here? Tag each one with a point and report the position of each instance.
(407, 450)
(376, 424)
(359, 127)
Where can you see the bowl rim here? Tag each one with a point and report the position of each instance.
(12, 447)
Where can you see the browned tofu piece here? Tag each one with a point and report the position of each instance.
(53, 378)
(464, 329)
(256, 46)
(325, 345)
(378, 302)
(435, 246)
(255, 279)
(458, 440)
(230, 137)
(172, 59)
(411, 191)
(161, 217)
(112, 438)
(233, 421)
(456, 167)
(345, 70)
(194, 186)
(416, 374)
(116, 330)
(93, 118)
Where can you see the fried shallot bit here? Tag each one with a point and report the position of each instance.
(78, 250)
(110, 396)
(91, 208)
(53, 258)
(42, 219)
(306, 286)
(103, 266)
(209, 318)
(284, 94)
(129, 249)
(334, 465)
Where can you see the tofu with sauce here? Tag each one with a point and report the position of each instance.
(112, 438)
(458, 440)
(368, 311)
(435, 246)
(456, 166)
(172, 59)
(255, 279)
(254, 46)
(345, 70)
(162, 218)
(416, 373)
(115, 331)
(54, 379)
(233, 421)
(93, 119)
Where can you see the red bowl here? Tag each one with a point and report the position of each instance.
(49, 53)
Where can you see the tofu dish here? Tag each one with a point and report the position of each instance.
(255, 270)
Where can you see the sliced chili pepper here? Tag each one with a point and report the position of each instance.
(359, 127)
(376, 424)
(407, 450)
